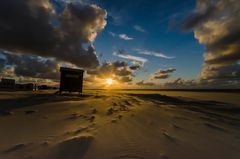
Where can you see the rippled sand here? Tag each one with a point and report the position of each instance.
(119, 124)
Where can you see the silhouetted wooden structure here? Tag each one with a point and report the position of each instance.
(71, 80)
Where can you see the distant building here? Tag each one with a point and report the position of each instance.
(25, 87)
(7, 83)
(71, 80)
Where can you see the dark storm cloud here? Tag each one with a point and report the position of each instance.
(142, 83)
(135, 67)
(31, 66)
(228, 58)
(125, 71)
(25, 25)
(227, 72)
(232, 37)
(35, 27)
(198, 17)
(218, 28)
(163, 74)
(166, 71)
(120, 64)
(181, 83)
(125, 79)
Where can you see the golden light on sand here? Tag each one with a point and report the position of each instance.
(109, 81)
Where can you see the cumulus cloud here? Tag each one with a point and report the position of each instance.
(123, 54)
(125, 79)
(139, 28)
(142, 83)
(118, 70)
(125, 37)
(121, 36)
(135, 67)
(152, 53)
(38, 28)
(29, 66)
(182, 83)
(162, 74)
(216, 24)
(200, 15)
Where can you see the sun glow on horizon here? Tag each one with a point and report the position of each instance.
(109, 81)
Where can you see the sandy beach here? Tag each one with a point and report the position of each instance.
(119, 79)
(119, 124)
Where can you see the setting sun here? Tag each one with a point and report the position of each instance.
(109, 81)
(119, 79)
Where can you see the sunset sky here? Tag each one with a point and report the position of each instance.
(136, 43)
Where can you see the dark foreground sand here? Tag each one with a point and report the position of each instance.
(119, 124)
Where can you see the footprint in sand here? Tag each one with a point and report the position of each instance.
(45, 143)
(176, 126)
(168, 136)
(94, 111)
(31, 111)
(110, 111)
(120, 116)
(92, 118)
(127, 102)
(6, 113)
(73, 116)
(15, 148)
(123, 108)
(80, 130)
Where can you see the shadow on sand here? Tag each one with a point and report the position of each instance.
(212, 110)
(36, 99)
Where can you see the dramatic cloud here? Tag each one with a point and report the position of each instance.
(147, 84)
(39, 28)
(216, 24)
(162, 74)
(135, 67)
(182, 83)
(121, 36)
(199, 16)
(126, 79)
(29, 66)
(152, 53)
(117, 70)
(123, 54)
(139, 28)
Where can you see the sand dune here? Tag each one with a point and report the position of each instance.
(112, 124)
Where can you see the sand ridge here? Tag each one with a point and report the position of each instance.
(105, 124)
